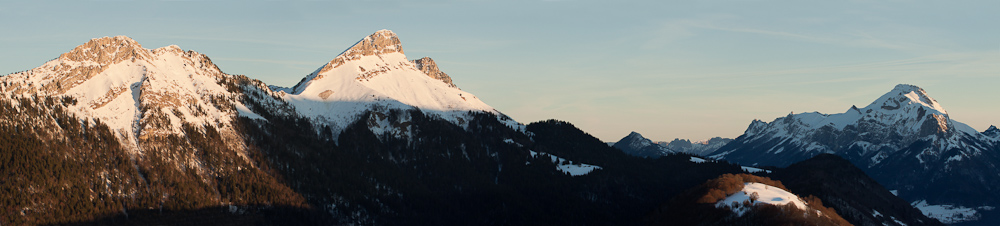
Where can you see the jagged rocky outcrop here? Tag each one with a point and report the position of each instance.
(430, 68)
(904, 139)
(992, 132)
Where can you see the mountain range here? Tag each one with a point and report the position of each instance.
(904, 139)
(637, 145)
(114, 133)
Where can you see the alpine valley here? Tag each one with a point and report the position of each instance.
(112, 133)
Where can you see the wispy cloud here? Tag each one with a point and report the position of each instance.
(981, 62)
(283, 62)
(673, 30)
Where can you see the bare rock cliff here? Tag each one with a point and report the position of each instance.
(430, 68)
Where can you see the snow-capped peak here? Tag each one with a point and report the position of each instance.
(896, 119)
(382, 42)
(375, 74)
(904, 94)
(907, 109)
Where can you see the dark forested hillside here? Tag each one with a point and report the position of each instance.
(450, 175)
(827, 180)
(444, 175)
(58, 169)
(850, 191)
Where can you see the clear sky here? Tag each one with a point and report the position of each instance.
(666, 69)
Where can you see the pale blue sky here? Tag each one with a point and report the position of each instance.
(665, 69)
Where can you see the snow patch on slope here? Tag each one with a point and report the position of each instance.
(578, 169)
(950, 214)
(767, 194)
(697, 160)
(754, 170)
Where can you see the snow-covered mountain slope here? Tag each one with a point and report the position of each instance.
(168, 118)
(637, 145)
(139, 93)
(905, 139)
(374, 75)
(150, 97)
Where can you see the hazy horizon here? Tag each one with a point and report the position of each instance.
(665, 70)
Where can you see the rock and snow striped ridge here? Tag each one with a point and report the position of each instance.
(137, 92)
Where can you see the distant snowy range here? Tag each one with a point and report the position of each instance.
(113, 133)
(904, 139)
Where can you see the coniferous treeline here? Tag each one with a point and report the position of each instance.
(55, 168)
(59, 169)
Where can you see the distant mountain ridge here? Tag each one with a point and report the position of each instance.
(904, 139)
(636, 145)
(701, 148)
